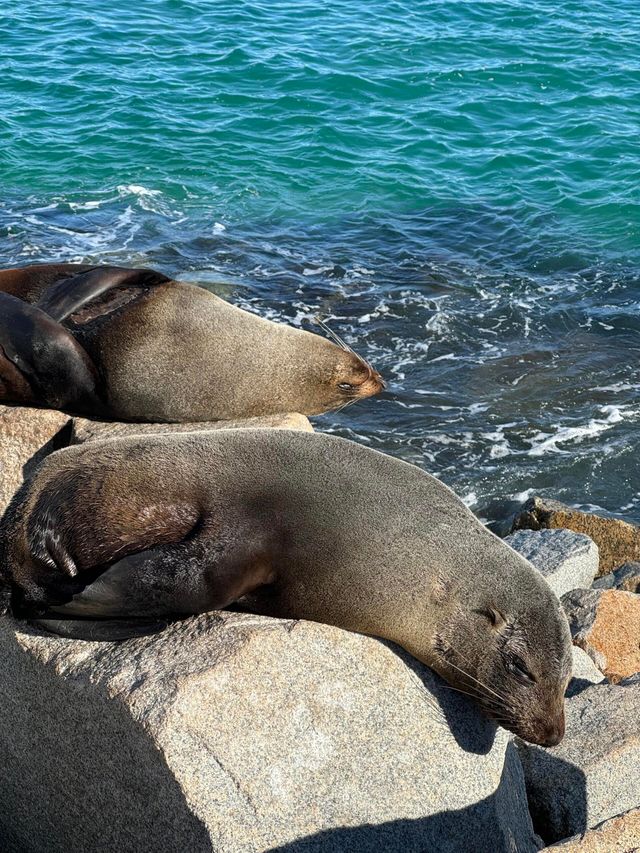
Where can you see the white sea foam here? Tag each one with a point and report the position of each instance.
(308, 271)
(618, 386)
(149, 200)
(521, 497)
(87, 205)
(543, 442)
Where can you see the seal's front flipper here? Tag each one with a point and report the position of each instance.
(41, 362)
(99, 630)
(69, 295)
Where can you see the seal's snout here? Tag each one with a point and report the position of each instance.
(544, 730)
(553, 731)
(356, 379)
(373, 384)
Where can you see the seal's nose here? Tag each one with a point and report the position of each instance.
(377, 378)
(553, 731)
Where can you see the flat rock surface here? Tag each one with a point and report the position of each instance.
(592, 775)
(618, 541)
(233, 733)
(606, 624)
(26, 436)
(566, 559)
(618, 835)
(87, 430)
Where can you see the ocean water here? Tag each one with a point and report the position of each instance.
(454, 186)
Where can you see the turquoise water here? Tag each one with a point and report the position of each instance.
(455, 185)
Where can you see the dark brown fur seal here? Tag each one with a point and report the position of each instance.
(129, 344)
(295, 525)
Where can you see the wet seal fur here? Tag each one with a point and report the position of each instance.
(132, 344)
(290, 524)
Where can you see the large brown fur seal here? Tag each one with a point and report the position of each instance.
(297, 525)
(132, 344)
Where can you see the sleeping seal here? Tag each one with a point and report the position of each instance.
(290, 524)
(132, 344)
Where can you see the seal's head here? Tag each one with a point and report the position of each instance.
(310, 374)
(512, 653)
(354, 379)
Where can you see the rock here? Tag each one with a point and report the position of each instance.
(626, 578)
(618, 542)
(27, 436)
(86, 430)
(234, 732)
(585, 672)
(592, 775)
(606, 624)
(566, 559)
(617, 835)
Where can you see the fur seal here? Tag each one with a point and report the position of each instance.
(132, 344)
(290, 524)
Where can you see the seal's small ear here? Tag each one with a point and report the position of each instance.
(496, 619)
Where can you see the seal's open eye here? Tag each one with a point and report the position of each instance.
(345, 386)
(516, 667)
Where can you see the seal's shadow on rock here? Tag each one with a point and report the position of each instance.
(456, 708)
(455, 831)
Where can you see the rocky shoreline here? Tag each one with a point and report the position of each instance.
(240, 733)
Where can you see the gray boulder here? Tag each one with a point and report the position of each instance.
(626, 578)
(618, 541)
(584, 673)
(566, 559)
(592, 775)
(232, 732)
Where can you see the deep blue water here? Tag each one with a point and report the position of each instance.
(454, 185)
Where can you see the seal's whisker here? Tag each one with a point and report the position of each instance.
(335, 337)
(477, 680)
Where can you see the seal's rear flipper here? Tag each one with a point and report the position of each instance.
(99, 630)
(41, 362)
(69, 295)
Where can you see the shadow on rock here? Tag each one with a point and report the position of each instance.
(78, 773)
(561, 810)
(479, 738)
(455, 831)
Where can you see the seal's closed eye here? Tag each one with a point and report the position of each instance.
(517, 667)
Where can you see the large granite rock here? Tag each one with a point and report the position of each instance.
(606, 624)
(618, 835)
(86, 430)
(618, 542)
(592, 775)
(233, 732)
(566, 559)
(26, 436)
